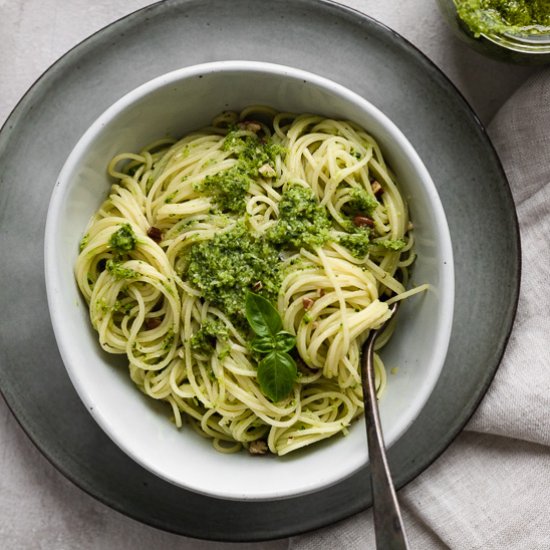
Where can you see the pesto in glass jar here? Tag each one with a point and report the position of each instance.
(505, 16)
(516, 31)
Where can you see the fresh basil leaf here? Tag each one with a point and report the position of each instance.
(263, 344)
(276, 375)
(284, 341)
(262, 316)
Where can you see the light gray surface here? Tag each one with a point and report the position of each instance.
(38, 507)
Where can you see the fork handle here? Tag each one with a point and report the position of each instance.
(388, 523)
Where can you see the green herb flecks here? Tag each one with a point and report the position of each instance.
(277, 371)
(84, 242)
(168, 339)
(118, 271)
(302, 222)
(118, 306)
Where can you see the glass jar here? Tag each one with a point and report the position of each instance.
(514, 47)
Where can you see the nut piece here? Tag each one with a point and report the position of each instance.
(152, 322)
(250, 126)
(267, 171)
(307, 303)
(258, 447)
(376, 188)
(155, 234)
(257, 286)
(362, 221)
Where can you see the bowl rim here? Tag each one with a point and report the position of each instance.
(54, 291)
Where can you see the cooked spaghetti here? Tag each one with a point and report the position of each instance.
(298, 209)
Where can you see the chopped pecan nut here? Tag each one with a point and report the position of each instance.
(258, 447)
(307, 303)
(250, 126)
(152, 322)
(363, 221)
(155, 234)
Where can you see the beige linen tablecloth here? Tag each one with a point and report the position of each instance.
(491, 488)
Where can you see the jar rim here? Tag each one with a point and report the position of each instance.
(524, 43)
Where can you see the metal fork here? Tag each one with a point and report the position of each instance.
(388, 523)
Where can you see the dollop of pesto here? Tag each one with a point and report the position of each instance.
(251, 151)
(227, 266)
(357, 243)
(505, 16)
(230, 187)
(302, 221)
(123, 240)
(361, 202)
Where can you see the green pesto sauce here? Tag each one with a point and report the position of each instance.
(118, 306)
(229, 187)
(231, 263)
(84, 242)
(505, 16)
(118, 272)
(204, 340)
(361, 202)
(302, 222)
(357, 243)
(225, 267)
(168, 339)
(123, 240)
(392, 244)
(123, 307)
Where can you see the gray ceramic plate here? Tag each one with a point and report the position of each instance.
(321, 37)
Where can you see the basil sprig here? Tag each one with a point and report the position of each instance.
(277, 370)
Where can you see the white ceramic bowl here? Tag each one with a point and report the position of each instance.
(175, 104)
